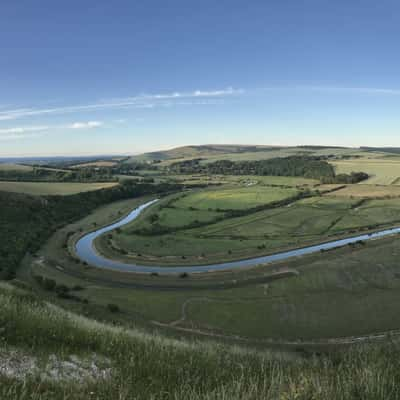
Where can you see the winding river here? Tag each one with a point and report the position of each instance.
(85, 250)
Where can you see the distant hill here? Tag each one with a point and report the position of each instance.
(200, 151)
(391, 150)
(224, 151)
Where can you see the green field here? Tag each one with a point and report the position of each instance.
(185, 221)
(306, 306)
(235, 198)
(243, 180)
(194, 229)
(52, 188)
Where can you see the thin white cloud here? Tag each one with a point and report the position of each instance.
(23, 132)
(215, 93)
(85, 125)
(13, 114)
(142, 101)
(4, 138)
(355, 90)
(15, 136)
(330, 89)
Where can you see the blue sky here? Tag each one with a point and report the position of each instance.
(98, 77)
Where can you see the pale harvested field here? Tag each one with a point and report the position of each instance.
(14, 167)
(382, 171)
(52, 188)
(367, 191)
(96, 164)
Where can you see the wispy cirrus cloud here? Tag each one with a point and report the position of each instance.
(354, 90)
(22, 129)
(330, 90)
(23, 132)
(197, 97)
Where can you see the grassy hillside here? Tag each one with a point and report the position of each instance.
(197, 151)
(241, 153)
(54, 354)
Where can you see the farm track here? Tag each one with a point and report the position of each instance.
(317, 342)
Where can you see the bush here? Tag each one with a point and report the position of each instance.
(113, 308)
(38, 279)
(49, 284)
(61, 289)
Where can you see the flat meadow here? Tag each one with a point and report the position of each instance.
(234, 198)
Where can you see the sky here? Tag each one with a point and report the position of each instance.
(124, 77)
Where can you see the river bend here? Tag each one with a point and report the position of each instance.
(85, 250)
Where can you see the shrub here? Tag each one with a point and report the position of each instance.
(113, 308)
(49, 284)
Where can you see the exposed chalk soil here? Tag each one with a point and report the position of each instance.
(17, 364)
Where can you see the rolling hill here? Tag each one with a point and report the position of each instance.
(199, 151)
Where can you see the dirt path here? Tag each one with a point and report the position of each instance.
(299, 342)
(183, 309)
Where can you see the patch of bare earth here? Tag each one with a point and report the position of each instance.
(18, 365)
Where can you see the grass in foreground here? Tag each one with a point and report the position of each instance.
(149, 366)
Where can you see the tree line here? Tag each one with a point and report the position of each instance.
(52, 175)
(304, 166)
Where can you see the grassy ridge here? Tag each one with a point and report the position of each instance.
(241, 153)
